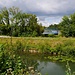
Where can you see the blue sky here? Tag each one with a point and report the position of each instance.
(47, 11)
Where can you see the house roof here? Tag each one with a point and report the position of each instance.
(50, 31)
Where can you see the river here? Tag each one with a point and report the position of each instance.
(45, 66)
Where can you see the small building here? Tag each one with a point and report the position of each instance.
(48, 31)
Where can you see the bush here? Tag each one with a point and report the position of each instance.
(19, 46)
(51, 35)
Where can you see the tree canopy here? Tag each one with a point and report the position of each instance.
(16, 23)
(67, 26)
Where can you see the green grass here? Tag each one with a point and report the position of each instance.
(36, 40)
(42, 44)
(59, 49)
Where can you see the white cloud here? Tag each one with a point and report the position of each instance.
(5, 3)
(46, 21)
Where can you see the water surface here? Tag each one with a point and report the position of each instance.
(45, 66)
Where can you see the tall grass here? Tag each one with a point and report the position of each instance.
(57, 47)
(41, 44)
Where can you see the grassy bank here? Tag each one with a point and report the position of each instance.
(42, 44)
(36, 40)
(58, 49)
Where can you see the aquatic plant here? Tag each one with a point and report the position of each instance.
(68, 71)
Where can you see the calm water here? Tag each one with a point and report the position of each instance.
(45, 66)
(51, 68)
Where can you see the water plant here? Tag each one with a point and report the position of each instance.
(68, 71)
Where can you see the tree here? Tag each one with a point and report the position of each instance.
(17, 23)
(68, 25)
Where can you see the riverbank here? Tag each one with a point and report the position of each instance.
(57, 49)
(59, 46)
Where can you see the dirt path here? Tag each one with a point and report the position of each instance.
(4, 36)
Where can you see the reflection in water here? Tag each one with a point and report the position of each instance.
(51, 68)
(43, 65)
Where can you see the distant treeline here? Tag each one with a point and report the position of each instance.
(16, 23)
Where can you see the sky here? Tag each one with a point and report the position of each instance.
(47, 11)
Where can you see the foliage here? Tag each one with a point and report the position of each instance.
(54, 26)
(12, 64)
(68, 71)
(67, 26)
(16, 23)
(51, 35)
(58, 49)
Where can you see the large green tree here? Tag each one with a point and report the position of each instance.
(13, 21)
(68, 25)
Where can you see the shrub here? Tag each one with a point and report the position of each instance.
(51, 35)
(19, 46)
